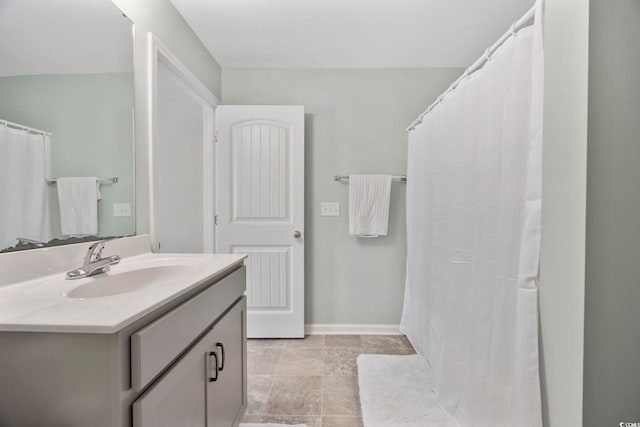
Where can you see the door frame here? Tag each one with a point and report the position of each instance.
(158, 52)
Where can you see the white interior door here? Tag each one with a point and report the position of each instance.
(260, 204)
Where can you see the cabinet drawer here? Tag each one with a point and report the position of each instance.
(156, 345)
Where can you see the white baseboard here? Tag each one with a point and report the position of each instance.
(333, 329)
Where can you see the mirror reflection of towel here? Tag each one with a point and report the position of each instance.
(369, 199)
(78, 199)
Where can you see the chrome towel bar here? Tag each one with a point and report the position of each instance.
(113, 180)
(402, 178)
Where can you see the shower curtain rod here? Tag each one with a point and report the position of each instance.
(7, 123)
(518, 25)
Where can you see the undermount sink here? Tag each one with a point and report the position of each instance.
(116, 283)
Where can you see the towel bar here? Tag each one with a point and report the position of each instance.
(402, 178)
(113, 180)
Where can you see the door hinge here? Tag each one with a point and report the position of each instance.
(215, 137)
(215, 219)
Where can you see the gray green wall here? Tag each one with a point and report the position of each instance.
(354, 123)
(90, 116)
(162, 19)
(612, 313)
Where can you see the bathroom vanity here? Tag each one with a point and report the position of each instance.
(160, 340)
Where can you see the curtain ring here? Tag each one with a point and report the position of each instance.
(512, 30)
(487, 54)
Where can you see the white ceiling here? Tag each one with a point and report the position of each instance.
(349, 33)
(63, 37)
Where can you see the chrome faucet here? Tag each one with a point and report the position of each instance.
(94, 263)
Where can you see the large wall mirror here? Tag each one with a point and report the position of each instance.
(66, 123)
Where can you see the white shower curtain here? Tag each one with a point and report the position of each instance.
(22, 186)
(473, 227)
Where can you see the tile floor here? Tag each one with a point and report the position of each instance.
(311, 381)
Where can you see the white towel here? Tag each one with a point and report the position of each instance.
(78, 199)
(369, 199)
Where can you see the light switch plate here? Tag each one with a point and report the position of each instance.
(330, 209)
(122, 209)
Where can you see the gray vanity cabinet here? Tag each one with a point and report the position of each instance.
(226, 396)
(178, 399)
(155, 372)
(206, 387)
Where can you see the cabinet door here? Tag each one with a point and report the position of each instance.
(226, 397)
(179, 397)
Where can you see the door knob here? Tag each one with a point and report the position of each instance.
(297, 234)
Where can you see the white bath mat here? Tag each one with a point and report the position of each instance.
(270, 425)
(395, 391)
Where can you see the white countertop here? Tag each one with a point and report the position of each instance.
(43, 305)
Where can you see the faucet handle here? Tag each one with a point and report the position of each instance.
(94, 253)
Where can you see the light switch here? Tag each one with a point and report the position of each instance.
(122, 209)
(329, 209)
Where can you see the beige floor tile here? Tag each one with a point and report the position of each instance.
(258, 387)
(311, 381)
(295, 396)
(388, 350)
(340, 396)
(406, 341)
(301, 361)
(263, 361)
(342, 422)
(386, 341)
(309, 341)
(341, 360)
(264, 343)
(251, 419)
(343, 341)
(310, 420)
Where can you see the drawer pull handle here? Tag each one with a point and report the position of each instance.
(215, 363)
(222, 353)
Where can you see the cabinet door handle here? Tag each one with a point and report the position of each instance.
(215, 363)
(219, 344)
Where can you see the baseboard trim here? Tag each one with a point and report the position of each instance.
(337, 329)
